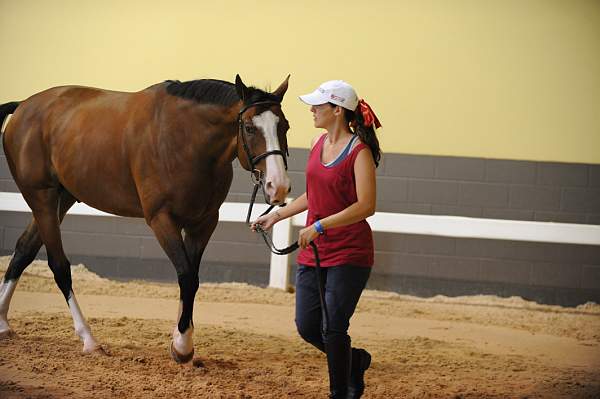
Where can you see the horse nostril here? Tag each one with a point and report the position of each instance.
(289, 189)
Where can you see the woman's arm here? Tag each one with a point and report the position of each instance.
(295, 207)
(366, 193)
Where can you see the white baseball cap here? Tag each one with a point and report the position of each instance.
(336, 92)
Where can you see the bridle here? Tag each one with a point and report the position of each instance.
(256, 175)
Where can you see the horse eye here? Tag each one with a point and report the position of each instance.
(251, 129)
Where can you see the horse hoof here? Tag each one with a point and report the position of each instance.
(7, 334)
(96, 350)
(178, 357)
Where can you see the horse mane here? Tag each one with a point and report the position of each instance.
(213, 91)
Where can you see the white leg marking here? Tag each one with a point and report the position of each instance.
(183, 343)
(276, 174)
(7, 290)
(82, 329)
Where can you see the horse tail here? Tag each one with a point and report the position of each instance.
(7, 109)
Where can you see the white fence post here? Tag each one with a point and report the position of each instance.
(279, 272)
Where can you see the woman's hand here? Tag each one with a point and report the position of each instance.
(306, 235)
(266, 222)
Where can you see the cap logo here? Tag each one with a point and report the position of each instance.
(337, 98)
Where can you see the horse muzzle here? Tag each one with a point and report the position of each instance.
(276, 190)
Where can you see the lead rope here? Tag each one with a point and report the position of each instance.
(290, 249)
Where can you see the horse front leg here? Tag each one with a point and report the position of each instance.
(186, 258)
(196, 239)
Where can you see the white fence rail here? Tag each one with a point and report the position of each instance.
(447, 226)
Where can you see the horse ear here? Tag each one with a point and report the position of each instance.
(240, 87)
(280, 92)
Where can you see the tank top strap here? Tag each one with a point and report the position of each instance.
(356, 150)
(319, 144)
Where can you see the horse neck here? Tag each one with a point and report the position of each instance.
(223, 145)
(219, 141)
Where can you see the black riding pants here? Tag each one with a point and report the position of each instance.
(343, 287)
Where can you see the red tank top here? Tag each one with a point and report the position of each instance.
(330, 190)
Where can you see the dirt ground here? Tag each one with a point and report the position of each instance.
(247, 347)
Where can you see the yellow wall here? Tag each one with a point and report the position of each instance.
(514, 79)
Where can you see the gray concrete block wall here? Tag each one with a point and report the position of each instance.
(491, 188)
(125, 248)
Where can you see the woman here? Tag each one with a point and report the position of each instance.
(340, 195)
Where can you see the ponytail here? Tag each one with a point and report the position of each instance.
(363, 123)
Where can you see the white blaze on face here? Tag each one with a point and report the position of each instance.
(277, 182)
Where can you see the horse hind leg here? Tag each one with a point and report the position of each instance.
(49, 206)
(28, 245)
(26, 249)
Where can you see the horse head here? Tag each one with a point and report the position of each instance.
(262, 142)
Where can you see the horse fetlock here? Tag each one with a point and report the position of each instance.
(7, 289)
(3, 311)
(84, 333)
(183, 342)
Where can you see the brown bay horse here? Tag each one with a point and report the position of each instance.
(164, 153)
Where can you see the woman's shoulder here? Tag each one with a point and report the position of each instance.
(358, 145)
(357, 142)
(361, 153)
(316, 139)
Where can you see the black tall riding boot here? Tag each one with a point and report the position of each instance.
(361, 360)
(337, 348)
